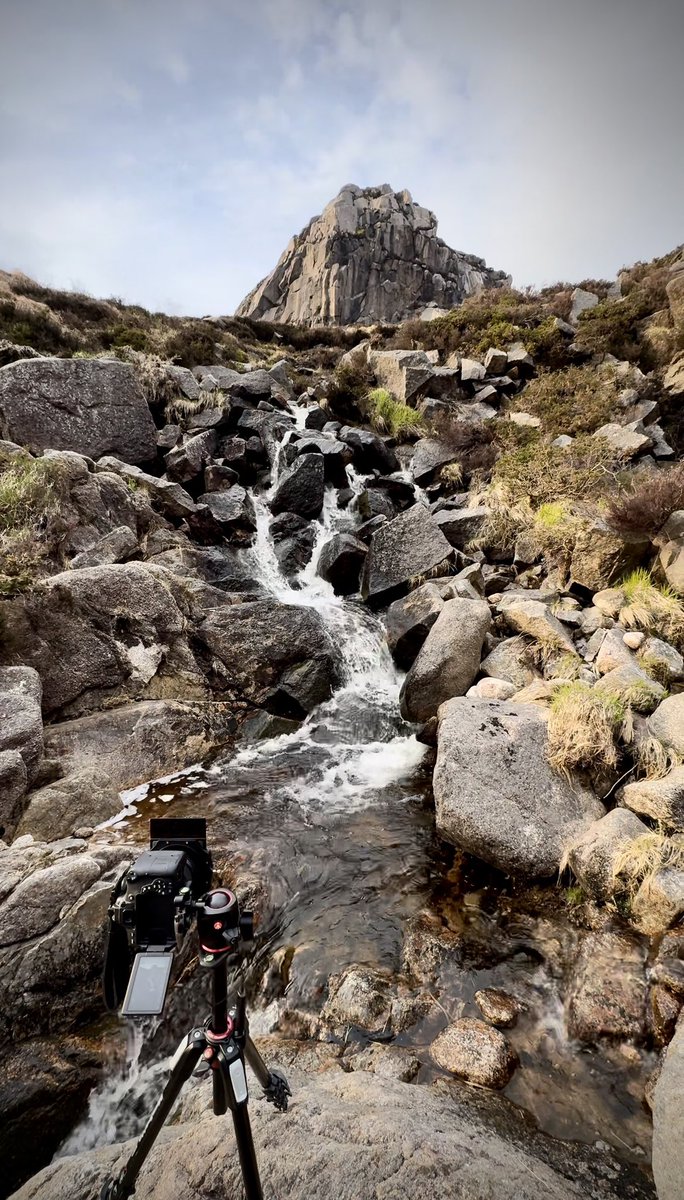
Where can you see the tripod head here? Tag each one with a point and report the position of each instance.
(153, 906)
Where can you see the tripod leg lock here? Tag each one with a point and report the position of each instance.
(278, 1090)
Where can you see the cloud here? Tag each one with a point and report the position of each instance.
(167, 151)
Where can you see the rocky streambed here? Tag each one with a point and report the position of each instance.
(389, 963)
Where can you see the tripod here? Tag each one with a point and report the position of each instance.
(223, 1043)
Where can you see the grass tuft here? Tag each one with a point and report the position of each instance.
(389, 416)
(642, 858)
(583, 726)
(29, 501)
(652, 608)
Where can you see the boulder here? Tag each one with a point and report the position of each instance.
(634, 686)
(582, 301)
(461, 525)
(302, 488)
(659, 799)
(137, 742)
(370, 451)
(671, 542)
(93, 406)
(593, 856)
(600, 556)
(667, 723)
(336, 456)
(668, 1121)
(405, 373)
(233, 512)
(218, 478)
(661, 659)
(535, 619)
(359, 996)
(613, 652)
(408, 1144)
(495, 794)
(606, 995)
(497, 1007)
(475, 1052)
(496, 361)
(628, 440)
(104, 632)
(401, 552)
(258, 642)
(492, 689)
(35, 904)
(409, 620)
(21, 722)
(115, 547)
(341, 562)
(168, 498)
(510, 660)
(316, 418)
(85, 798)
(187, 461)
(659, 902)
(449, 659)
(293, 541)
(13, 787)
(429, 457)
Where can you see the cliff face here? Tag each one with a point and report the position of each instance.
(372, 255)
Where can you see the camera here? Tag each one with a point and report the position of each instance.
(151, 909)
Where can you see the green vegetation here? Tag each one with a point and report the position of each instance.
(390, 416)
(575, 400)
(651, 608)
(531, 469)
(29, 501)
(583, 727)
(574, 896)
(348, 391)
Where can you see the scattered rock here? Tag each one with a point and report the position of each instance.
(402, 552)
(594, 855)
(371, 452)
(581, 302)
(667, 723)
(510, 661)
(302, 488)
(659, 901)
(85, 798)
(497, 1007)
(659, 799)
(359, 996)
(461, 525)
(341, 562)
(475, 1052)
(409, 620)
(515, 813)
(535, 619)
(492, 689)
(233, 512)
(428, 458)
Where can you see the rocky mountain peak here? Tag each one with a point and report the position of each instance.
(372, 255)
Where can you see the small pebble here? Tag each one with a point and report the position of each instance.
(634, 640)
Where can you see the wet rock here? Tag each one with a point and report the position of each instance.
(665, 1008)
(401, 552)
(341, 562)
(401, 1148)
(399, 489)
(44, 1085)
(497, 1007)
(537, 621)
(668, 1121)
(659, 901)
(371, 452)
(461, 525)
(316, 418)
(93, 406)
(300, 689)
(593, 856)
(667, 723)
(475, 1052)
(233, 512)
(359, 996)
(510, 661)
(389, 1062)
(427, 945)
(84, 798)
(136, 742)
(365, 531)
(293, 539)
(410, 619)
(607, 989)
(668, 967)
(302, 488)
(449, 659)
(258, 642)
(659, 799)
(336, 456)
(515, 813)
(429, 457)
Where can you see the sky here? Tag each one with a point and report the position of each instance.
(165, 151)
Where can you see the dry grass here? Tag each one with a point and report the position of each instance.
(583, 726)
(504, 524)
(651, 608)
(180, 407)
(641, 859)
(652, 760)
(451, 475)
(29, 502)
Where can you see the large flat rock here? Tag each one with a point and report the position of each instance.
(402, 554)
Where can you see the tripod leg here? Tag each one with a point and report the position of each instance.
(247, 1153)
(182, 1066)
(275, 1085)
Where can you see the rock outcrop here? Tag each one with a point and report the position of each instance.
(372, 255)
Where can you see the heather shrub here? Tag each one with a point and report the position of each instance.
(644, 505)
(574, 400)
(531, 469)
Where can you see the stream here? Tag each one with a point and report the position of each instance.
(334, 824)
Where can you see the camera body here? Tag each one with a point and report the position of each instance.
(151, 909)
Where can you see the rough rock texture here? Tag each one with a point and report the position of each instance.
(340, 563)
(594, 855)
(93, 406)
(372, 255)
(403, 550)
(140, 741)
(85, 798)
(302, 488)
(356, 1135)
(497, 1007)
(496, 795)
(660, 799)
(410, 619)
(475, 1052)
(667, 723)
(607, 988)
(668, 1121)
(449, 659)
